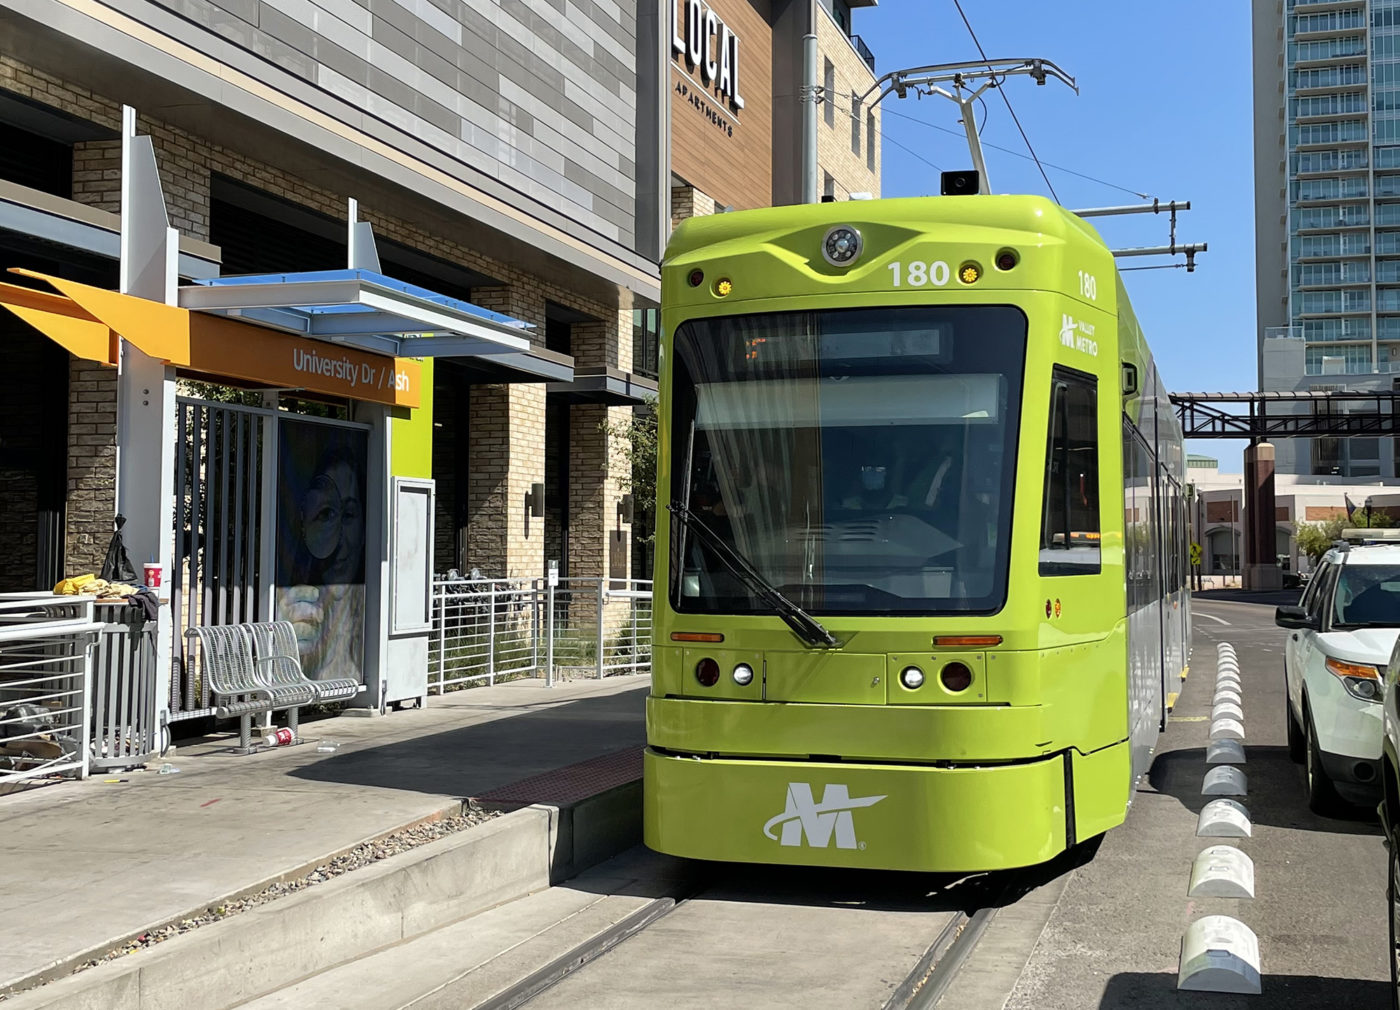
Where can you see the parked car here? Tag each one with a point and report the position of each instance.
(1389, 809)
(1342, 637)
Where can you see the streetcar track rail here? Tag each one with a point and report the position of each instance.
(584, 953)
(917, 979)
(921, 989)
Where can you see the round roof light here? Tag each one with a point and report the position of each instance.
(842, 246)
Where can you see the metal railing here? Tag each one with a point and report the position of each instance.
(864, 52)
(486, 630)
(124, 707)
(45, 685)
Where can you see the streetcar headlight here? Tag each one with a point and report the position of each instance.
(743, 674)
(707, 672)
(842, 246)
(911, 677)
(956, 677)
(970, 273)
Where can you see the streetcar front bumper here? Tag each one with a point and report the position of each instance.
(878, 816)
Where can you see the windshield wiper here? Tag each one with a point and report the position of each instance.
(803, 624)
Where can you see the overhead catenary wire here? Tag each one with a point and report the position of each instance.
(911, 151)
(881, 133)
(1018, 154)
(983, 53)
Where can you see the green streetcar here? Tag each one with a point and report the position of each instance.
(901, 620)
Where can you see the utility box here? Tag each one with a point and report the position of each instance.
(405, 671)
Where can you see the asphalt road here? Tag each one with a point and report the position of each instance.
(1112, 935)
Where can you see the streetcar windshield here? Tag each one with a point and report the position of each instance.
(861, 460)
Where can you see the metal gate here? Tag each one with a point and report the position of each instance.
(223, 533)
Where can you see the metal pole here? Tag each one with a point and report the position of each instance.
(809, 118)
(88, 643)
(549, 632)
(1155, 207)
(442, 635)
(1163, 250)
(598, 657)
(974, 143)
(491, 640)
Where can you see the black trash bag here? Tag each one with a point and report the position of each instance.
(117, 567)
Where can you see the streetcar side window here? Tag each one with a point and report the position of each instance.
(1069, 532)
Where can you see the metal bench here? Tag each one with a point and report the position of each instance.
(278, 661)
(233, 679)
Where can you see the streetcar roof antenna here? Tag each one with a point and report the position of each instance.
(962, 76)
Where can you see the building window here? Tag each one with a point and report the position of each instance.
(870, 140)
(828, 188)
(855, 123)
(829, 94)
(646, 342)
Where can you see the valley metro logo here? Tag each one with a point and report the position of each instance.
(819, 821)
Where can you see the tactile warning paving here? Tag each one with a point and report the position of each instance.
(572, 783)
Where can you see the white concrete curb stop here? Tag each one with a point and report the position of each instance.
(1224, 818)
(1224, 780)
(1219, 954)
(1227, 729)
(1226, 710)
(1225, 752)
(1222, 871)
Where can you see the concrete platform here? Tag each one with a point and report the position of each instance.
(89, 865)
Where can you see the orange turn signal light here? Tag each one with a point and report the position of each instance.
(965, 641)
(696, 636)
(1338, 668)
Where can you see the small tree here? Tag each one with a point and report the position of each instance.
(1315, 539)
(637, 436)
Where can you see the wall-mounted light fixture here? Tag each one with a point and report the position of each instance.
(624, 509)
(534, 501)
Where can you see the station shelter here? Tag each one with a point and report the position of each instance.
(274, 438)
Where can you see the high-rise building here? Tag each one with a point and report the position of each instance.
(1327, 212)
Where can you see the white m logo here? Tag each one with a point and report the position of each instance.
(818, 821)
(1068, 329)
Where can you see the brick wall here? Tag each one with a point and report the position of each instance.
(850, 168)
(92, 464)
(507, 453)
(595, 479)
(687, 201)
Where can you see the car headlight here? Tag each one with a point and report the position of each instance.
(1360, 680)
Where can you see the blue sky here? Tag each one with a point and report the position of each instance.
(1165, 107)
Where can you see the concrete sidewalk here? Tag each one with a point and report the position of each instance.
(90, 864)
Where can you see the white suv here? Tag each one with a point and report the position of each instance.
(1340, 642)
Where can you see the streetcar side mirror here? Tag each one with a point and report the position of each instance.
(1293, 617)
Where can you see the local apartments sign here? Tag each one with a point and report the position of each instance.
(701, 39)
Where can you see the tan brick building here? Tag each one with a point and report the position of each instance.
(733, 149)
(848, 131)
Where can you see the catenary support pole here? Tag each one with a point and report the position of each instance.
(809, 118)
